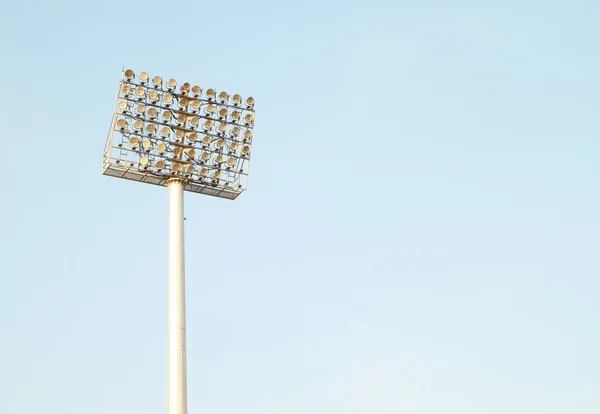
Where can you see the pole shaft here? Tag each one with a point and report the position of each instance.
(177, 358)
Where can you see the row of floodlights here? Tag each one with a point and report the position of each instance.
(161, 148)
(179, 168)
(186, 88)
(138, 125)
(222, 113)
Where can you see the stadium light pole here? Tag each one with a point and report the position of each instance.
(154, 138)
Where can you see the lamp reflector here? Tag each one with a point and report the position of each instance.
(143, 160)
(122, 123)
(140, 92)
(138, 124)
(248, 134)
(223, 96)
(129, 74)
(177, 152)
(248, 118)
(250, 101)
(246, 149)
(230, 161)
(223, 112)
(126, 90)
(167, 98)
(160, 164)
(152, 112)
(144, 77)
(165, 132)
(179, 135)
(196, 90)
(235, 115)
(157, 80)
(236, 98)
(192, 137)
(220, 143)
(172, 83)
(153, 95)
(123, 106)
(161, 148)
(167, 115)
(208, 125)
(205, 156)
(176, 167)
(133, 141)
(203, 172)
(206, 140)
(186, 87)
(146, 144)
(210, 93)
(219, 159)
(151, 128)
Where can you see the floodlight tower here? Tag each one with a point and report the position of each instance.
(185, 139)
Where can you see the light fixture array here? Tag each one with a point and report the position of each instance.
(162, 130)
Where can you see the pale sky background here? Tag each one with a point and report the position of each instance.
(420, 234)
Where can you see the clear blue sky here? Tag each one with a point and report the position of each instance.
(420, 234)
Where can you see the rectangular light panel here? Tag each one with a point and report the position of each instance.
(162, 130)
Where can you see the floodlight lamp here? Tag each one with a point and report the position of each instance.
(129, 74)
(157, 81)
(177, 152)
(196, 90)
(206, 140)
(165, 131)
(246, 150)
(181, 119)
(143, 160)
(138, 125)
(233, 146)
(235, 115)
(234, 132)
(167, 98)
(190, 169)
(248, 118)
(222, 127)
(160, 164)
(204, 172)
(183, 103)
(171, 84)
(161, 148)
(223, 96)
(140, 93)
(146, 144)
(133, 141)
(194, 121)
(236, 98)
(216, 174)
(208, 125)
(176, 167)
(123, 106)
(220, 143)
(192, 137)
(144, 77)
(140, 109)
(152, 112)
(153, 96)
(190, 152)
(219, 159)
(179, 135)
(248, 134)
(151, 128)
(186, 87)
(167, 115)
(250, 101)
(211, 93)
(223, 112)
(205, 156)
(230, 162)
(126, 90)
(210, 109)
(122, 124)
(195, 104)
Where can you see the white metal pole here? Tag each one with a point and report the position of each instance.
(177, 364)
